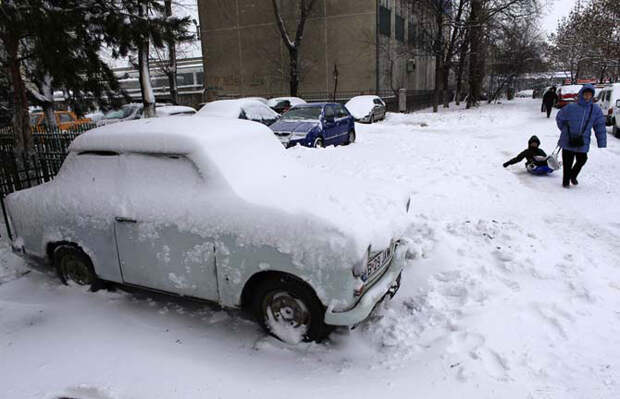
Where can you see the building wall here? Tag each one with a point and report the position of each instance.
(244, 54)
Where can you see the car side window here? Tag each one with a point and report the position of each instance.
(341, 112)
(329, 112)
(65, 117)
(160, 172)
(377, 101)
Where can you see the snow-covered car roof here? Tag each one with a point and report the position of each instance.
(170, 110)
(232, 109)
(245, 158)
(259, 99)
(293, 100)
(570, 89)
(360, 106)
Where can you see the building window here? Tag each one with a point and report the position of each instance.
(411, 33)
(399, 28)
(185, 79)
(385, 21)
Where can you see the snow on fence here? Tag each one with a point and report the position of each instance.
(23, 170)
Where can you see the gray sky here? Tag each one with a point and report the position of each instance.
(553, 10)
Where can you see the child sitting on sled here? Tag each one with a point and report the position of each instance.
(536, 160)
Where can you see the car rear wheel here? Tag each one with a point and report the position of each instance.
(74, 267)
(616, 131)
(289, 310)
(318, 143)
(372, 118)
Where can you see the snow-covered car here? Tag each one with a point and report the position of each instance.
(607, 99)
(177, 205)
(567, 94)
(174, 110)
(243, 108)
(315, 125)
(529, 93)
(283, 104)
(366, 109)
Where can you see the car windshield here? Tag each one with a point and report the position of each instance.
(122, 113)
(303, 113)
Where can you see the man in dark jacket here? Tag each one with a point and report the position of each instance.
(549, 99)
(576, 121)
(532, 154)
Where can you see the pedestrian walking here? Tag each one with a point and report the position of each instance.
(549, 99)
(576, 121)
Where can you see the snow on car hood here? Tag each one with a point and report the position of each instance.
(294, 126)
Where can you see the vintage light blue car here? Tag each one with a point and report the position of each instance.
(315, 125)
(216, 209)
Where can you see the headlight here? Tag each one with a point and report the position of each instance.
(361, 268)
(299, 135)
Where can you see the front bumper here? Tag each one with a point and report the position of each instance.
(386, 285)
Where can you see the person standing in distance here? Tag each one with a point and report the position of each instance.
(576, 121)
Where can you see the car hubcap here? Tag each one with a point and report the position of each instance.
(351, 137)
(318, 143)
(287, 317)
(74, 269)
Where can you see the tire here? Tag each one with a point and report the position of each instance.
(616, 131)
(289, 310)
(372, 118)
(74, 267)
(318, 143)
(350, 138)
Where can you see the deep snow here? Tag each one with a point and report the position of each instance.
(514, 291)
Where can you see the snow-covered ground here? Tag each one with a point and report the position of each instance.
(514, 291)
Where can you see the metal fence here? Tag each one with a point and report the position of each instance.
(41, 164)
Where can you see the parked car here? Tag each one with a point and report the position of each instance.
(607, 99)
(215, 209)
(567, 94)
(366, 109)
(65, 120)
(315, 125)
(529, 93)
(283, 104)
(127, 112)
(249, 109)
(174, 110)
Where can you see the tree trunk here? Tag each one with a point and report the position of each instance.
(445, 76)
(172, 61)
(475, 36)
(439, 49)
(148, 99)
(21, 120)
(48, 105)
(294, 71)
(460, 68)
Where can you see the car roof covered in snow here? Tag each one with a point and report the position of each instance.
(169, 110)
(292, 100)
(253, 109)
(181, 135)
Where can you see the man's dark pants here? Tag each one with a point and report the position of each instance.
(572, 171)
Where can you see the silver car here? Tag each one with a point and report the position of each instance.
(215, 209)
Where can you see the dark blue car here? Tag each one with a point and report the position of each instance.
(315, 125)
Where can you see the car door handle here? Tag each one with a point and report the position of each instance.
(125, 220)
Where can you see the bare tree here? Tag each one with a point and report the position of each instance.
(305, 7)
(171, 69)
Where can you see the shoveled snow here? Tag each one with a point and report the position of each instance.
(513, 290)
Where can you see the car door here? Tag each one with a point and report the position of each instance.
(159, 246)
(330, 126)
(342, 121)
(379, 109)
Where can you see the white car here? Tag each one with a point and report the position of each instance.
(125, 113)
(174, 110)
(366, 109)
(243, 108)
(178, 205)
(608, 99)
(283, 104)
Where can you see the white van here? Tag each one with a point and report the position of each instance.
(609, 101)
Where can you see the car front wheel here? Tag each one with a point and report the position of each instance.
(350, 138)
(318, 143)
(616, 131)
(289, 310)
